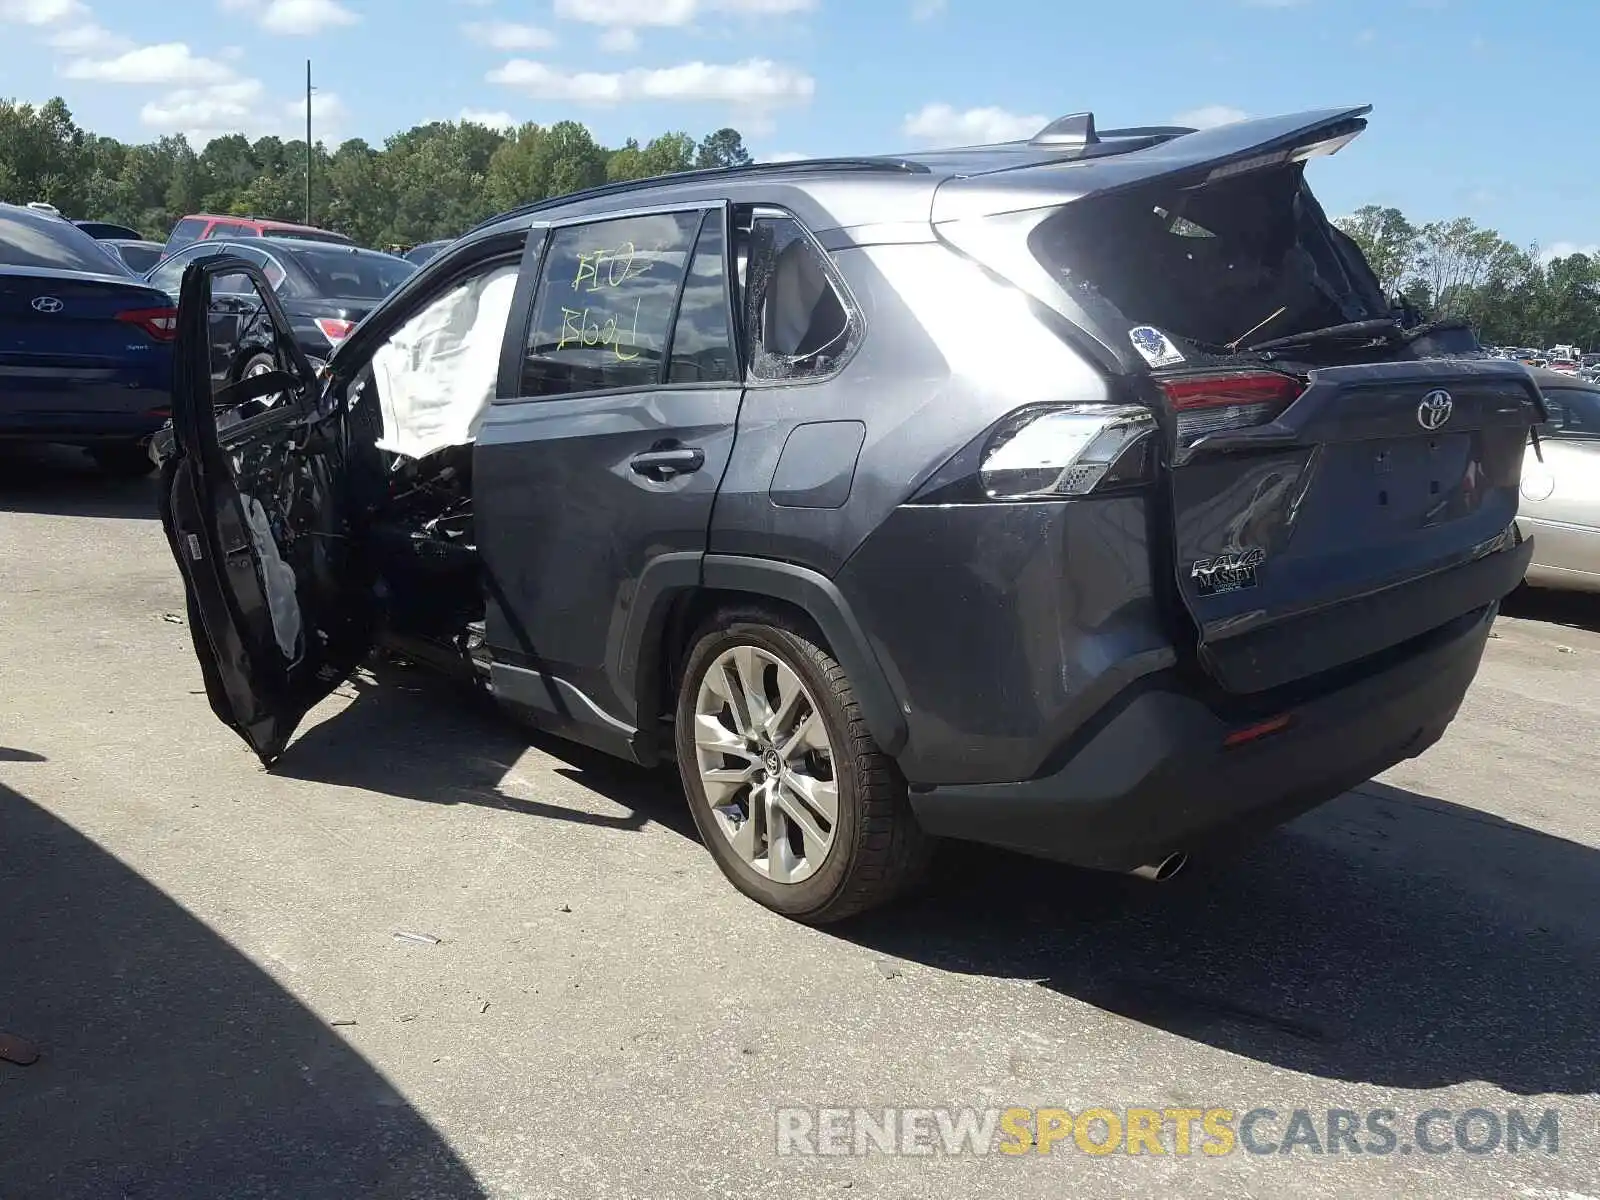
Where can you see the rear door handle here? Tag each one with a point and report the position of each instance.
(662, 465)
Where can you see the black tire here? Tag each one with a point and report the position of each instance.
(257, 359)
(125, 460)
(879, 852)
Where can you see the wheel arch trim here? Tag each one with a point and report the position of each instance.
(668, 577)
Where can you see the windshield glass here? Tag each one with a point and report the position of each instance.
(1251, 254)
(354, 274)
(27, 240)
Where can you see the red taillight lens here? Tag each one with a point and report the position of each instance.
(334, 329)
(1206, 404)
(159, 323)
(1254, 733)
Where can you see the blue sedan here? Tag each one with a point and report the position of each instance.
(85, 346)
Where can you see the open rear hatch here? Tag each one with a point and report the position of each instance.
(1374, 502)
(1341, 478)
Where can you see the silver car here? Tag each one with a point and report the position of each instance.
(1561, 495)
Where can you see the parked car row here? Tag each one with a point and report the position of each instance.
(86, 324)
(1564, 360)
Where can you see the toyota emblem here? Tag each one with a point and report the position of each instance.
(1435, 410)
(47, 304)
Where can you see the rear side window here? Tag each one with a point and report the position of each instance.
(351, 275)
(797, 319)
(702, 339)
(1574, 413)
(1249, 257)
(30, 241)
(185, 231)
(606, 304)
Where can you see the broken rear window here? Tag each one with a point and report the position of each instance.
(1248, 254)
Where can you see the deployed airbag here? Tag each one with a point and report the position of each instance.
(436, 374)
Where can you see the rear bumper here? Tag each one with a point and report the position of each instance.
(86, 428)
(1156, 777)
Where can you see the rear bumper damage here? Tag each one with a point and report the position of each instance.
(1160, 777)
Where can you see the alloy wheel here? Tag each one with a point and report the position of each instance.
(766, 764)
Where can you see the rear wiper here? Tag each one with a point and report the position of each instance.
(1358, 331)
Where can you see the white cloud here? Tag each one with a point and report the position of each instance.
(781, 156)
(40, 12)
(943, 123)
(168, 63)
(88, 39)
(1210, 116)
(672, 12)
(509, 35)
(293, 16)
(1567, 249)
(620, 40)
(495, 119)
(926, 10)
(757, 82)
(326, 109)
(207, 111)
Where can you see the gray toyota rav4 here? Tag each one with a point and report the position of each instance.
(1083, 496)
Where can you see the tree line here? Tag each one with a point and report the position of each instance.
(439, 179)
(432, 181)
(1514, 296)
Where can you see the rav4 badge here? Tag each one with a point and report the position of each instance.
(1231, 572)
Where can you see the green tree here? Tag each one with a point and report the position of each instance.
(432, 180)
(1391, 243)
(724, 148)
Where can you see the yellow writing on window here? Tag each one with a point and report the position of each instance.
(579, 328)
(602, 269)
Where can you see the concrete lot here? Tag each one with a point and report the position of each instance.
(205, 952)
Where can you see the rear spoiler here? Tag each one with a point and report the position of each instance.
(1202, 155)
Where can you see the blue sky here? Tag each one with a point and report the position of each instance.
(1468, 93)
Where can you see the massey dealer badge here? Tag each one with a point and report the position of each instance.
(1231, 572)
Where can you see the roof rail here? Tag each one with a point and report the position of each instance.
(1077, 129)
(899, 166)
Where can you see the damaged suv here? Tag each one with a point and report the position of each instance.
(1083, 496)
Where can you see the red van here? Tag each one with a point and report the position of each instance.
(199, 227)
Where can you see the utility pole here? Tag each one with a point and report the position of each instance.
(308, 142)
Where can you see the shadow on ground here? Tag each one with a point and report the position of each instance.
(1389, 937)
(170, 1066)
(411, 735)
(61, 481)
(1581, 610)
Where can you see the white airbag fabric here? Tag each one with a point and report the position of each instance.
(436, 374)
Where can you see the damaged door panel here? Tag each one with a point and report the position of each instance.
(253, 504)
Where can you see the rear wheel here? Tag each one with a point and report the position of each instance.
(126, 460)
(792, 796)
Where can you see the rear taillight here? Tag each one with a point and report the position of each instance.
(335, 329)
(159, 323)
(1066, 450)
(1212, 403)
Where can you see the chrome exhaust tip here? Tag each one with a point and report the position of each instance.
(1162, 870)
